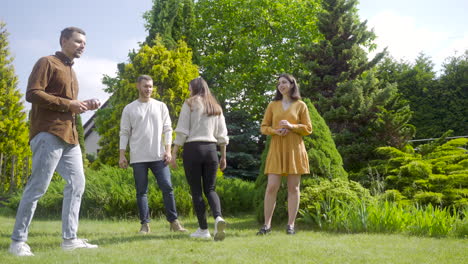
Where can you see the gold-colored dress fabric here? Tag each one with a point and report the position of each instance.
(287, 154)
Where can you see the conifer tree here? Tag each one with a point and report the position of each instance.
(172, 20)
(340, 55)
(13, 126)
(362, 112)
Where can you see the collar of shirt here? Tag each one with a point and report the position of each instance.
(64, 58)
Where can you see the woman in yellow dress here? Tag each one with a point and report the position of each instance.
(286, 120)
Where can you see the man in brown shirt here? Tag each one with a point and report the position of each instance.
(53, 90)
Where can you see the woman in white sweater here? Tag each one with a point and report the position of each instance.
(201, 127)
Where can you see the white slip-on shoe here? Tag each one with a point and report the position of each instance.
(145, 229)
(201, 233)
(20, 249)
(71, 244)
(219, 230)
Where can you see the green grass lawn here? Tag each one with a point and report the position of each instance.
(119, 243)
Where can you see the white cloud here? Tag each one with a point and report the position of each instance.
(90, 72)
(456, 47)
(405, 38)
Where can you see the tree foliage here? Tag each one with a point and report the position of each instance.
(171, 71)
(242, 45)
(340, 56)
(362, 112)
(245, 144)
(439, 103)
(371, 114)
(13, 126)
(172, 20)
(452, 96)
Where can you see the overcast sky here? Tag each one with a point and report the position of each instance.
(113, 27)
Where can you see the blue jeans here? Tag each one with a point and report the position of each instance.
(163, 178)
(51, 153)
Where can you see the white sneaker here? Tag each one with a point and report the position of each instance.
(71, 244)
(20, 249)
(220, 226)
(201, 233)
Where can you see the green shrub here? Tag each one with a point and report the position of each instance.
(391, 196)
(428, 198)
(110, 192)
(432, 173)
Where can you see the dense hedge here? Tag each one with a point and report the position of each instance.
(110, 192)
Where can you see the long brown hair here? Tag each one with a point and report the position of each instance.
(293, 93)
(201, 90)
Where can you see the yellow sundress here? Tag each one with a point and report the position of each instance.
(287, 154)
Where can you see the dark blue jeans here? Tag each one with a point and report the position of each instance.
(163, 178)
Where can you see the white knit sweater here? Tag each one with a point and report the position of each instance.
(195, 125)
(147, 126)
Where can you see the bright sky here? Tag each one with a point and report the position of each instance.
(113, 27)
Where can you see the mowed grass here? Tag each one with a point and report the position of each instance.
(119, 243)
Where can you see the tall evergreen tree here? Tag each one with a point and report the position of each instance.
(340, 55)
(452, 96)
(362, 112)
(13, 126)
(172, 20)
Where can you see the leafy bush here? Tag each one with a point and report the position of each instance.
(110, 192)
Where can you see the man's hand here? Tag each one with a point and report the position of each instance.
(78, 107)
(167, 157)
(123, 162)
(92, 104)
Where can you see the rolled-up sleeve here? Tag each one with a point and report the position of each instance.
(221, 131)
(183, 125)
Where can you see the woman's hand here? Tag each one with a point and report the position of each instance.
(222, 164)
(282, 132)
(285, 124)
(173, 163)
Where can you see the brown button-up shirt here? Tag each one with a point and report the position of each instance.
(51, 87)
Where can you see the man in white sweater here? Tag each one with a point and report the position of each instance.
(146, 125)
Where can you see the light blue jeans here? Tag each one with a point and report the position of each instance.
(51, 153)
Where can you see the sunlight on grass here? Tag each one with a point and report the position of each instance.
(119, 242)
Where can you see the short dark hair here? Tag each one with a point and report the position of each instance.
(68, 32)
(293, 93)
(144, 77)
